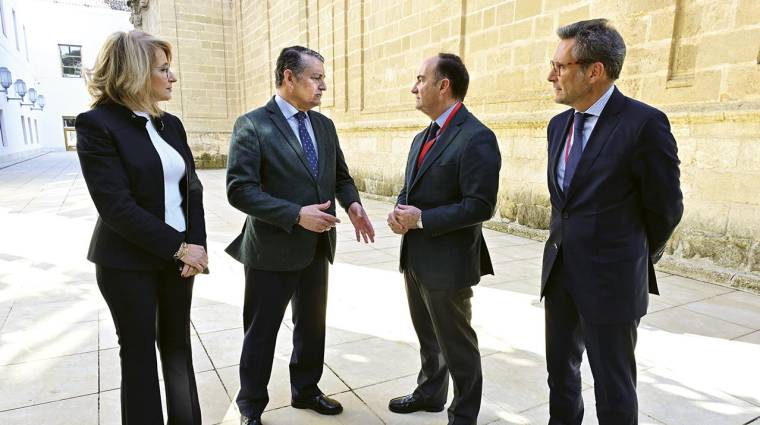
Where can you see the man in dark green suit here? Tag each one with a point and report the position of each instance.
(285, 170)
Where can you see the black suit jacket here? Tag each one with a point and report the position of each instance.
(456, 189)
(619, 211)
(268, 178)
(125, 178)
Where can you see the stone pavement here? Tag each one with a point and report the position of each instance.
(698, 352)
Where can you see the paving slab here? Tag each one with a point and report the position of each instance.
(43, 381)
(737, 307)
(56, 339)
(59, 356)
(78, 410)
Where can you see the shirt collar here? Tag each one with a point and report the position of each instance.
(445, 115)
(597, 108)
(286, 108)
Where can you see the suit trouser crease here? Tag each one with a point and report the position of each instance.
(448, 343)
(610, 350)
(152, 308)
(267, 295)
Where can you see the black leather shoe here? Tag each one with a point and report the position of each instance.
(321, 404)
(245, 420)
(411, 403)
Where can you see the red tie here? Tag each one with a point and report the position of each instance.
(432, 136)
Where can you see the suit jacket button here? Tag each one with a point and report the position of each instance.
(565, 215)
(554, 245)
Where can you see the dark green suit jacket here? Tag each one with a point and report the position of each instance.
(268, 178)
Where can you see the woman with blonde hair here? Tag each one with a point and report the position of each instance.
(150, 237)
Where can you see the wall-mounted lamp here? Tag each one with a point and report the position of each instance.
(21, 91)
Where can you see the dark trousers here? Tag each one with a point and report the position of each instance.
(448, 345)
(610, 354)
(267, 294)
(149, 307)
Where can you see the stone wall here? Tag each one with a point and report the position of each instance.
(697, 60)
(204, 36)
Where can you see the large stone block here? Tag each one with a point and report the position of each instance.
(580, 13)
(703, 87)
(515, 32)
(747, 12)
(714, 49)
(552, 5)
(718, 153)
(742, 220)
(526, 9)
(661, 25)
(742, 82)
(749, 154)
(505, 13)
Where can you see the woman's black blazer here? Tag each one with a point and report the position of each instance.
(125, 178)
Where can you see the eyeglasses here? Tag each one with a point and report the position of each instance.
(164, 70)
(558, 67)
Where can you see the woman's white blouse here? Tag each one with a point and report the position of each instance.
(174, 171)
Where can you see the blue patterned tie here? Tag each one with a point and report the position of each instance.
(575, 151)
(308, 146)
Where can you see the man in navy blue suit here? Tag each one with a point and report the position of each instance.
(614, 186)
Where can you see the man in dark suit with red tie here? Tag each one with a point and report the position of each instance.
(450, 187)
(614, 185)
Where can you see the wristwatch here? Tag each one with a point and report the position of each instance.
(419, 221)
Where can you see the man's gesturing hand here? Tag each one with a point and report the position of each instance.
(313, 218)
(362, 224)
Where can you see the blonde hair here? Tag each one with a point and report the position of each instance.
(122, 72)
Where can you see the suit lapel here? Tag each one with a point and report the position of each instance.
(443, 141)
(604, 128)
(414, 153)
(275, 114)
(556, 153)
(172, 136)
(321, 135)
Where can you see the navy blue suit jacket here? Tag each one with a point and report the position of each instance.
(620, 209)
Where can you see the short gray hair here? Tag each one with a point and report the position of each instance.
(292, 58)
(596, 40)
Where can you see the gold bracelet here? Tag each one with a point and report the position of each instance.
(181, 252)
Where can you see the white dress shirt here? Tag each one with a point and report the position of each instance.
(289, 112)
(174, 170)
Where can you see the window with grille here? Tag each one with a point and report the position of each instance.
(71, 60)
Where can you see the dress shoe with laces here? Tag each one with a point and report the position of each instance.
(320, 403)
(411, 403)
(246, 420)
